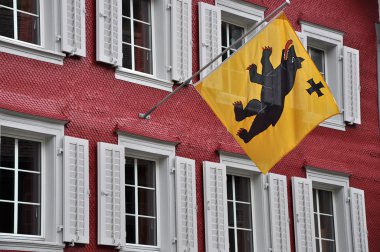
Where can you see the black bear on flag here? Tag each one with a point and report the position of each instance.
(276, 84)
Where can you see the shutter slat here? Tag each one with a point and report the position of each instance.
(215, 196)
(111, 193)
(358, 219)
(181, 40)
(210, 36)
(351, 84)
(109, 32)
(73, 27)
(76, 190)
(303, 214)
(186, 205)
(279, 216)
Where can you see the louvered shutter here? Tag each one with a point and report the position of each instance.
(181, 40)
(351, 85)
(76, 190)
(109, 32)
(187, 239)
(303, 214)
(73, 27)
(279, 215)
(302, 38)
(358, 220)
(210, 36)
(111, 193)
(215, 196)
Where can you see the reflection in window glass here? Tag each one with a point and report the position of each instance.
(318, 57)
(231, 33)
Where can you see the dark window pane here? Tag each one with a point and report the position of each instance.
(146, 173)
(130, 229)
(230, 214)
(147, 202)
(243, 215)
(129, 200)
(242, 189)
(127, 56)
(235, 33)
(231, 235)
(147, 231)
(328, 246)
(129, 171)
(7, 148)
(318, 58)
(126, 30)
(325, 202)
(225, 55)
(315, 200)
(244, 240)
(31, 6)
(29, 220)
(29, 155)
(229, 187)
(327, 226)
(143, 61)
(317, 245)
(7, 180)
(6, 23)
(141, 10)
(316, 225)
(126, 8)
(8, 3)
(28, 28)
(29, 187)
(142, 35)
(7, 214)
(224, 34)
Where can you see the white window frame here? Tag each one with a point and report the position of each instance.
(164, 153)
(331, 42)
(161, 77)
(50, 48)
(52, 132)
(338, 184)
(242, 166)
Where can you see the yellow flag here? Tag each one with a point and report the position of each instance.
(269, 94)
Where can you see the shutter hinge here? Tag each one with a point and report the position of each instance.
(58, 37)
(102, 15)
(348, 199)
(340, 57)
(168, 6)
(118, 246)
(266, 186)
(172, 170)
(174, 240)
(59, 151)
(59, 228)
(72, 244)
(169, 68)
(270, 249)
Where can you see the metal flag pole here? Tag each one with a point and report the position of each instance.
(187, 81)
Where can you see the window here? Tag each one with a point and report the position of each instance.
(32, 29)
(240, 229)
(20, 193)
(237, 198)
(339, 66)
(149, 42)
(148, 194)
(323, 219)
(141, 198)
(223, 24)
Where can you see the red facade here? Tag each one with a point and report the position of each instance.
(86, 93)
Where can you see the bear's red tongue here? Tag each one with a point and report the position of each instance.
(287, 48)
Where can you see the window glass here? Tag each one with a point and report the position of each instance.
(318, 57)
(141, 202)
(231, 33)
(240, 225)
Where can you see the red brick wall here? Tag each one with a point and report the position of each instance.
(87, 93)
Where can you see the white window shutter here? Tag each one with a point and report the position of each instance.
(73, 27)
(303, 214)
(215, 196)
(210, 38)
(351, 85)
(181, 40)
(111, 193)
(187, 239)
(302, 38)
(76, 190)
(279, 215)
(358, 220)
(109, 32)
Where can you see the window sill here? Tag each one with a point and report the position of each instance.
(30, 51)
(142, 79)
(333, 125)
(30, 245)
(136, 248)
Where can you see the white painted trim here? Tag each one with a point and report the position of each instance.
(242, 9)
(142, 79)
(334, 179)
(238, 161)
